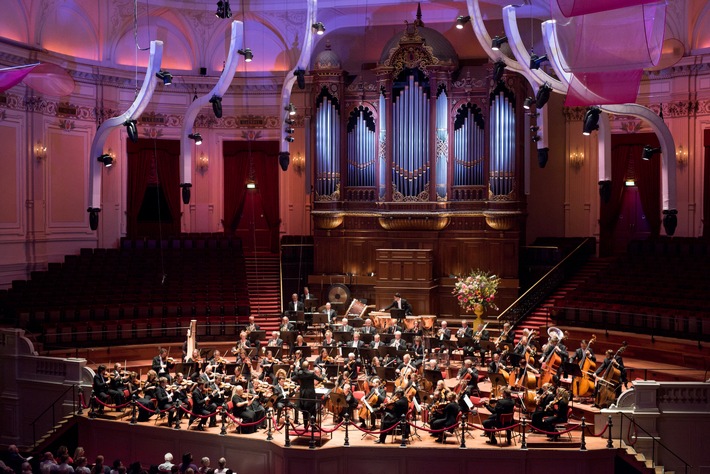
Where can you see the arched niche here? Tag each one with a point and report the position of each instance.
(13, 21)
(701, 30)
(69, 30)
(178, 53)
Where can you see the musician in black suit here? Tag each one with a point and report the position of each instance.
(444, 334)
(505, 405)
(286, 325)
(399, 343)
(394, 410)
(559, 408)
(345, 326)
(350, 403)
(582, 351)
(241, 407)
(307, 393)
(381, 393)
(394, 328)
(368, 328)
(275, 340)
(479, 336)
(329, 341)
(330, 312)
(101, 387)
(464, 330)
(356, 343)
(252, 326)
(399, 303)
(468, 374)
(448, 418)
(376, 343)
(201, 405)
(418, 350)
(162, 364)
(165, 400)
(282, 401)
(295, 305)
(117, 384)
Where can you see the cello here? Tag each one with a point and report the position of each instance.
(609, 381)
(582, 386)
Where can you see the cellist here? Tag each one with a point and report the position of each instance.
(374, 397)
(468, 382)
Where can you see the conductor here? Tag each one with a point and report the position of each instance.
(307, 399)
(399, 303)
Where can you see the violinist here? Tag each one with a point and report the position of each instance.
(195, 358)
(323, 358)
(418, 350)
(242, 409)
(468, 382)
(218, 362)
(281, 390)
(398, 343)
(162, 363)
(559, 406)
(267, 365)
(101, 387)
(352, 366)
(165, 400)
(307, 394)
(179, 388)
(395, 408)
(503, 406)
(117, 386)
(447, 418)
(297, 360)
(201, 405)
(146, 407)
(368, 328)
(242, 344)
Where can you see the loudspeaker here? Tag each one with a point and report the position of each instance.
(203, 71)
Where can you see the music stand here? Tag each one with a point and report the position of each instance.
(289, 337)
(356, 322)
(386, 338)
(367, 354)
(332, 350)
(572, 369)
(497, 380)
(330, 370)
(342, 336)
(486, 347)
(305, 351)
(311, 303)
(320, 318)
(256, 336)
(388, 350)
(398, 314)
(433, 376)
(367, 338)
(276, 351)
(448, 344)
(387, 374)
(465, 341)
(409, 337)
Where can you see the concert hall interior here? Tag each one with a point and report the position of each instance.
(296, 233)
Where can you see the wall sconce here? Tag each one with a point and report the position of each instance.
(203, 162)
(299, 163)
(40, 151)
(576, 160)
(681, 157)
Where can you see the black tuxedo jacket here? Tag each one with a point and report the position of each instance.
(405, 306)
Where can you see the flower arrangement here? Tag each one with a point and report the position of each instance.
(479, 288)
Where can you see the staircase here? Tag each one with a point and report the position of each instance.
(264, 288)
(640, 463)
(539, 318)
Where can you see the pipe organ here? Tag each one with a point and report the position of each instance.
(442, 143)
(361, 148)
(469, 146)
(502, 142)
(327, 146)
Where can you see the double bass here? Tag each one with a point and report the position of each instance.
(609, 381)
(553, 361)
(582, 386)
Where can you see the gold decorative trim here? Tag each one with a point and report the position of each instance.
(413, 223)
(502, 221)
(328, 222)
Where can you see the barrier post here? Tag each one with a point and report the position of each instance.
(347, 422)
(178, 415)
(287, 440)
(312, 420)
(524, 443)
(92, 406)
(223, 431)
(269, 420)
(402, 426)
(133, 412)
(583, 446)
(609, 442)
(463, 433)
(80, 411)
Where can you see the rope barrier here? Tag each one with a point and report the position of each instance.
(112, 407)
(429, 430)
(336, 427)
(375, 432)
(553, 433)
(236, 420)
(182, 407)
(492, 430)
(82, 402)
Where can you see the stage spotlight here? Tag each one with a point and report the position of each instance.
(498, 70)
(216, 102)
(536, 138)
(289, 130)
(166, 77)
(300, 78)
(536, 60)
(223, 9)
(93, 217)
(319, 27)
(461, 21)
(648, 152)
(248, 55)
(106, 159)
(527, 103)
(132, 130)
(542, 96)
(534, 128)
(291, 109)
(186, 192)
(284, 159)
(591, 120)
(197, 137)
(497, 42)
(290, 121)
(542, 156)
(670, 220)
(289, 139)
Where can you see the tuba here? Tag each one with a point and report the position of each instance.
(555, 333)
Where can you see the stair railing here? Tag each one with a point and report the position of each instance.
(52, 406)
(529, 300)
(656, 440)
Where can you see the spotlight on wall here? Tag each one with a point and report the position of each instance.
(591, 120)
(93, 217)
(197, 137)
(284, 158)
(165, 76)
(291, 109)
(649, 151)
(289, 139)
(290, 121)
(223, 9)
(498, 70)
(248, 55)
(251, 184)
(319, 28)
(543, 95)
(536, 60)
(527, 103)
(216, 102)
(497, 41)
(534, 128)
(132, 130)
(300, 78)
(106, 159)
(289, 130)
(461, 21)
(536, 138)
